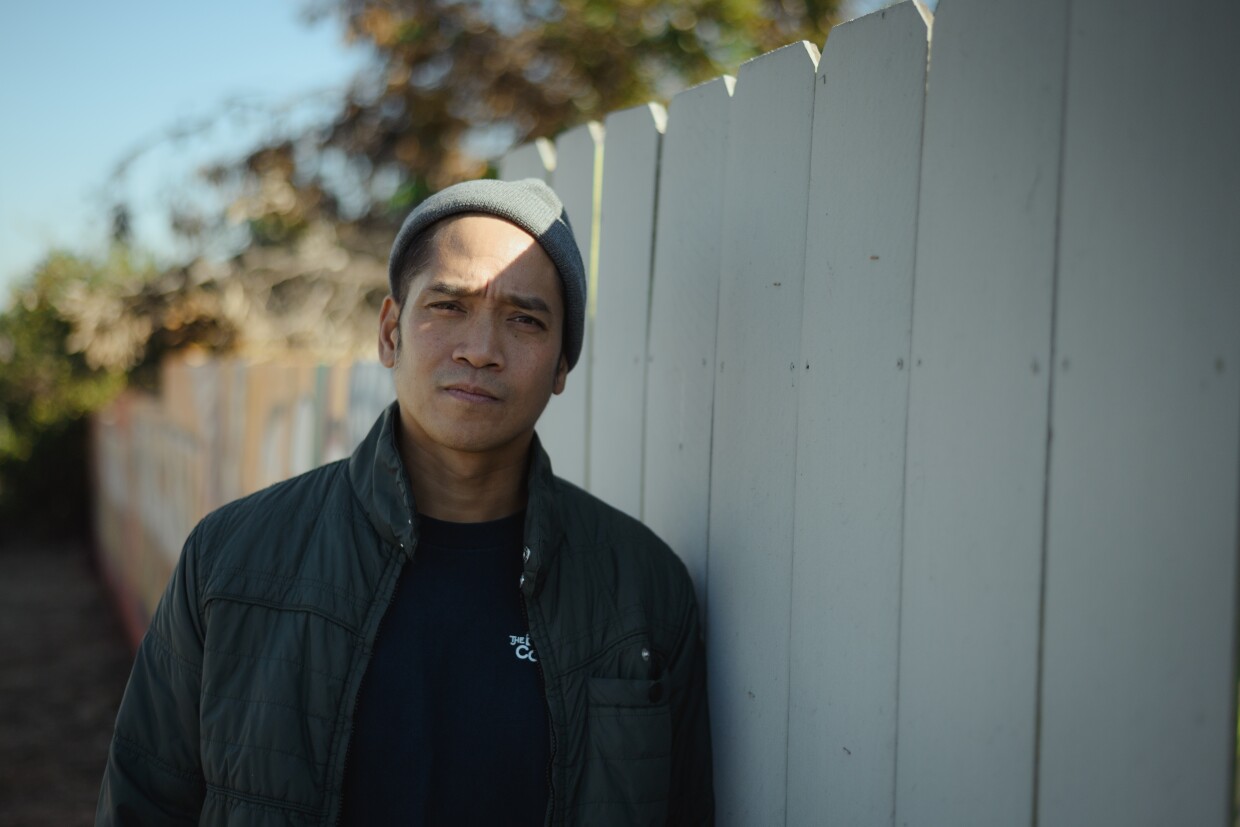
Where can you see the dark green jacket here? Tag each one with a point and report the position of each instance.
(240, 706)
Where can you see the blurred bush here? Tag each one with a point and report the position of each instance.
(45, 394)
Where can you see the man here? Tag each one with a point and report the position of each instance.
(437, 630)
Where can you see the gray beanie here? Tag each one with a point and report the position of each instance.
(532, 206)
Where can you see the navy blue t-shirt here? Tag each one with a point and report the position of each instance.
(451, 723)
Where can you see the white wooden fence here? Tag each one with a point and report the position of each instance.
(932, 376)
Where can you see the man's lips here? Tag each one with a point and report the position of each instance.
(470, 393)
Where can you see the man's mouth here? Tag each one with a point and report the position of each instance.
(470, 393)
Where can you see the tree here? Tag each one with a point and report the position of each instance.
(455, 82)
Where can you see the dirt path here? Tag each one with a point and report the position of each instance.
(63, 666)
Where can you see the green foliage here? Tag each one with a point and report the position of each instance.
(46, 392)
(273, 229)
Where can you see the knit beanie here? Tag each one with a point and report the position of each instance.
(532, 206)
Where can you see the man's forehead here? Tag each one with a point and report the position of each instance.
(476, 253)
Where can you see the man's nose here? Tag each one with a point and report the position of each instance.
(480, 344)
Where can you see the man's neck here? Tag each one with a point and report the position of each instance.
(463, 487)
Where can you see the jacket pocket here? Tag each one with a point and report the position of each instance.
(628, 753)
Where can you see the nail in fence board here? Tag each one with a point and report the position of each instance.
(753, 464)
(563, 425)
(977, 432)
(626, 241)
(684, 303)
(853, 402)
(533, 160)
(1138, 688)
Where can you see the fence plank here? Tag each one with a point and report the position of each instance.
(563, 426)
(626, 242)
(852, 405)
(753, 463)
(1137, 720)
(370, 391)
(684, 305)
(533, 160)
(977, 433)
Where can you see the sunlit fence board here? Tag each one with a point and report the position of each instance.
(977, 433)
(853, 402)
(680, 379)
(626, 242)
(563, 425)
(533, 160)
(753, 462)
(1137, 722)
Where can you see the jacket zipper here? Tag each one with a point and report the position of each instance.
(348, 749)
(542, 682)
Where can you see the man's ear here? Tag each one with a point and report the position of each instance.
(561, 373)
(389, 332)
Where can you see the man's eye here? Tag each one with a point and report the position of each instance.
(444, 306)
(529, 320)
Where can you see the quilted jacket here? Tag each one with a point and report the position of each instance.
(240, 705)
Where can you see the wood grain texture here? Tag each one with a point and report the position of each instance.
(626, 244)
(978, 411)
(853, 402)
(1138, 686)
(753, 463)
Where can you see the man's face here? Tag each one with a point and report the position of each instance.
(476, 350)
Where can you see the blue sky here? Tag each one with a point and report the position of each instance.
(84, 83)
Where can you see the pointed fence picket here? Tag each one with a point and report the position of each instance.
(564, 425)
(622, 302)
(852, 410)
(753, 457)
(978, 408)
(533, 160)
(684, 308)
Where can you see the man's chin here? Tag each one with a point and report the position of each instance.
(477, 440)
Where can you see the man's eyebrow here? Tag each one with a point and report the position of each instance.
(456, 291)
(528, 302)
(453, 290)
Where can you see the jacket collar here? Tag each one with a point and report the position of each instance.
(381, 484)
(544, 528)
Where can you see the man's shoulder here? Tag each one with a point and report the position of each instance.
(596, 528)
(586, 518)
(283, 513)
